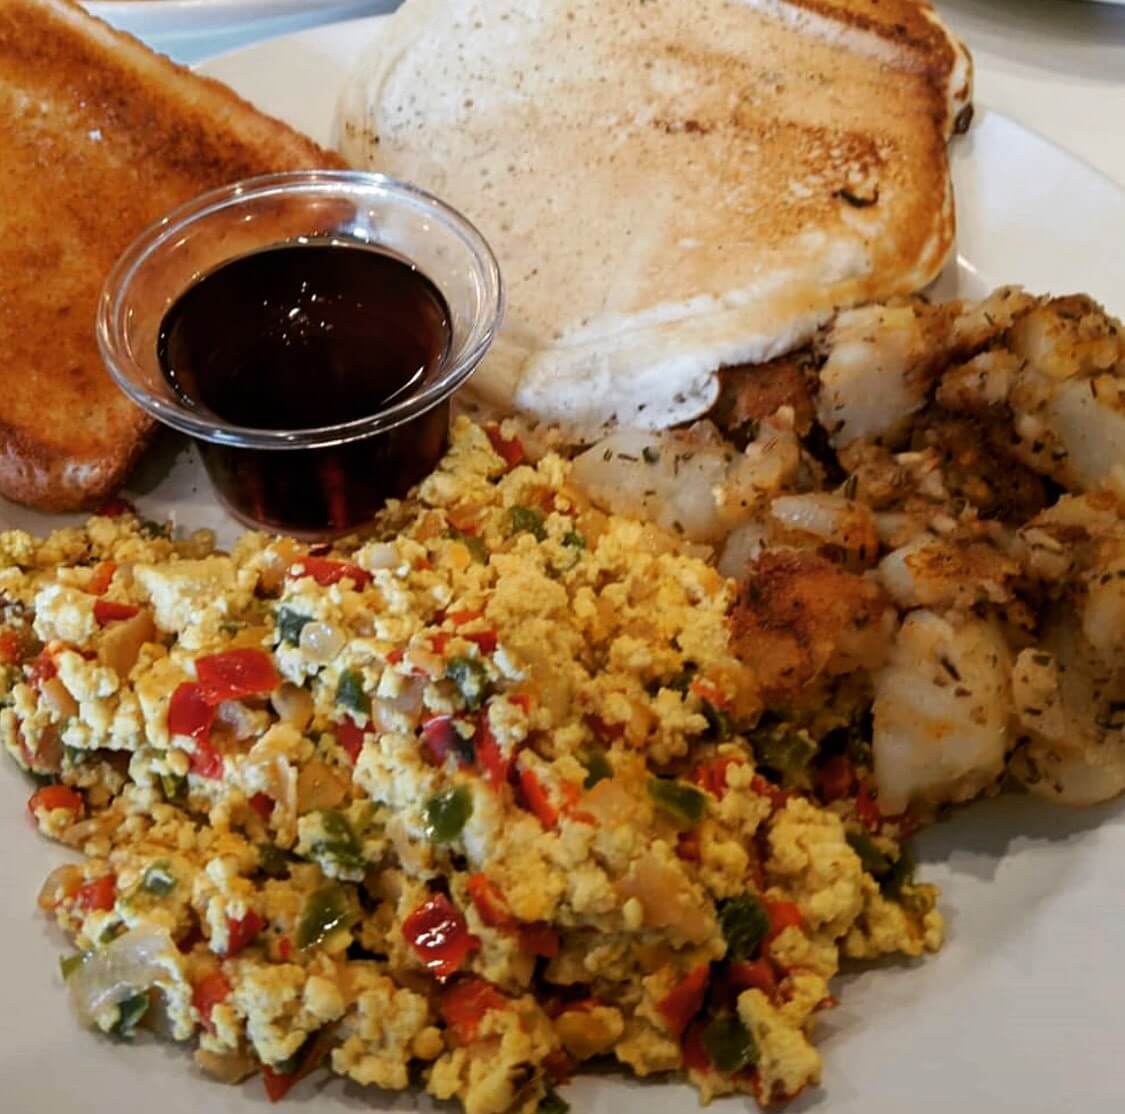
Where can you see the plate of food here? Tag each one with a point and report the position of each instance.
(728, 708)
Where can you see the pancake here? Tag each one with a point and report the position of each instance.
(670, 188)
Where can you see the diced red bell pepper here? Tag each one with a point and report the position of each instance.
(756, 975)
(536, 799)
(189, 712)
(487, 640)
(866, 810)
(460, 618)
(775, 794)
(539, 939)
(695, 1055)
(115, 507)
(206, 761)
(782, 915)
(835, 779)
(98, 895)
(510, 450)
(212, 989)
(106, 612)
(350, 736)
(262, 804)
(559, 1066)
(278, 1084)
(326, 571)
(605, 732)
(42, 668)
(243, 932)
(284, 949)
(709, 691)
(493, 764)
(236, 673)
(489, 902)
(687, 846)
(439, 640)
(440, 739)
(437, 932)
(685, 999)
(463, 1005)
(189, 939)
(51, 797)
(11, 647)
(522, 700)
(712, 776)
(101, 578)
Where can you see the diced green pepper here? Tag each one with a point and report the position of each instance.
(150, 528)
(292, 1064)
(447, 813)
(158, 879)
(326, 910)
(174, 787)
(552, 1103)
(859, 749)
(900, 875)
(471, 679)
(526, 520)
(729, 1044)
(290, 623)
(68, 964)
(745, 923)
(339, 841)
(111, 932)
(349, 693)
(597, 768)
(785, 750)
(682, 680)
(683, 802)
(272, 861)
(718, 721)
(573, 540)
(874, 861)
(129, 1014)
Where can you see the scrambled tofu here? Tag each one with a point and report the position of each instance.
(469, 802)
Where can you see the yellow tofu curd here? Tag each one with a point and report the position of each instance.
(464, 803)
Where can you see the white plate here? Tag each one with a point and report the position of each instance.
(193, 29)
(1022, 1011)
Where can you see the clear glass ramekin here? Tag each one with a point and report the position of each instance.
(326, 480)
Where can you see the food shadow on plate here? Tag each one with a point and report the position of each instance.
(156, 464)
(977, 838)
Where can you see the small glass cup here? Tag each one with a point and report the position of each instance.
(328, 480)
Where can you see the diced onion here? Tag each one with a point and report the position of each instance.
(126, 966)
(319, 786)
(241, 720)
(321, 642)
(56, 697)
(293, 704)
(226, 1067)
(60, 883)
(381, 555)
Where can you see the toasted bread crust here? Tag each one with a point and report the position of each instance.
(100, 137)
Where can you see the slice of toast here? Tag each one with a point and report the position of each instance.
(99, 137)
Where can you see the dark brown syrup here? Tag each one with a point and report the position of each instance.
(300, 337)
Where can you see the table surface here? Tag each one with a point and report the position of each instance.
(1056, 66)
